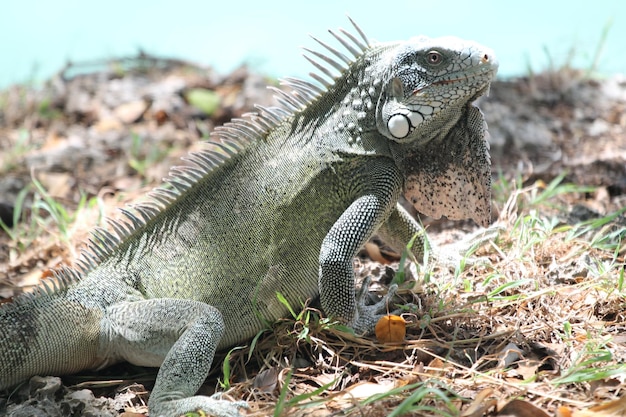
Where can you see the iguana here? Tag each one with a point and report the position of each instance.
(279, 202)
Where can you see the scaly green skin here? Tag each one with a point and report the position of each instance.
(281, 203)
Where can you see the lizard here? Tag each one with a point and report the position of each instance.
(279, 201)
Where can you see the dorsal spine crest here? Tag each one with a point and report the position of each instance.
(227, 141)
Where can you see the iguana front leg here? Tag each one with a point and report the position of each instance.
(181, 337)
(348, 234)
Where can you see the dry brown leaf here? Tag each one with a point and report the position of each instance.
(390, 329)
(436, 366)
(53, 140)
(616, 408)
(480, 405)
(33, 278)
(266, 380)
(130, 112)
(519, 408)
(57, 184)
(367, 389)
(373, 251)
(107, 124)
(320, 379)
(528, 368)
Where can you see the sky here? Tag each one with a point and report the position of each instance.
(40, 36)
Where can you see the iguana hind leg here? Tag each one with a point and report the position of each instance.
(181, 337)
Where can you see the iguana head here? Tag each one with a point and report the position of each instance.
(437, 137)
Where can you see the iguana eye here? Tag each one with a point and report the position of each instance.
(434, 58)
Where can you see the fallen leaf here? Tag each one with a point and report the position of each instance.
(266, 380)
(130, 112)
(480, 405)
(107, 124)
(616, 408)
(519, 408)
(57, 184)
(527, 368)
(373, 251)
(436, 367)
(390, 329)
(366, 389)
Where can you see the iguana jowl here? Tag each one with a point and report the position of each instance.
(280, 202)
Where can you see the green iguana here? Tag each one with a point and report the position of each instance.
(279, 202)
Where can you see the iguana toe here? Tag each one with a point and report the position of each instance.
(369, 314)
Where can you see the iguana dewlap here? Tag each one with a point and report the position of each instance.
(279, 202)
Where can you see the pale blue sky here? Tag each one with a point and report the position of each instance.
(38, 36)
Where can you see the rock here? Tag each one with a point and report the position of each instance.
(40, 393)
(84, 403)
(46, 397)
(598, 127)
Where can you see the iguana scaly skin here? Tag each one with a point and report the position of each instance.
(280, 202)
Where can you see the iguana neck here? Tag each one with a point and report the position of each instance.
(346, 112)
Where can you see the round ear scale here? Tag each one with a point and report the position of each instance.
(399, 126)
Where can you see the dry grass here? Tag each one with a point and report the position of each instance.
(542, 318)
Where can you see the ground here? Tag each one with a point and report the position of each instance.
(537, 325)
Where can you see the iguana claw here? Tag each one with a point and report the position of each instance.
(369, 314)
